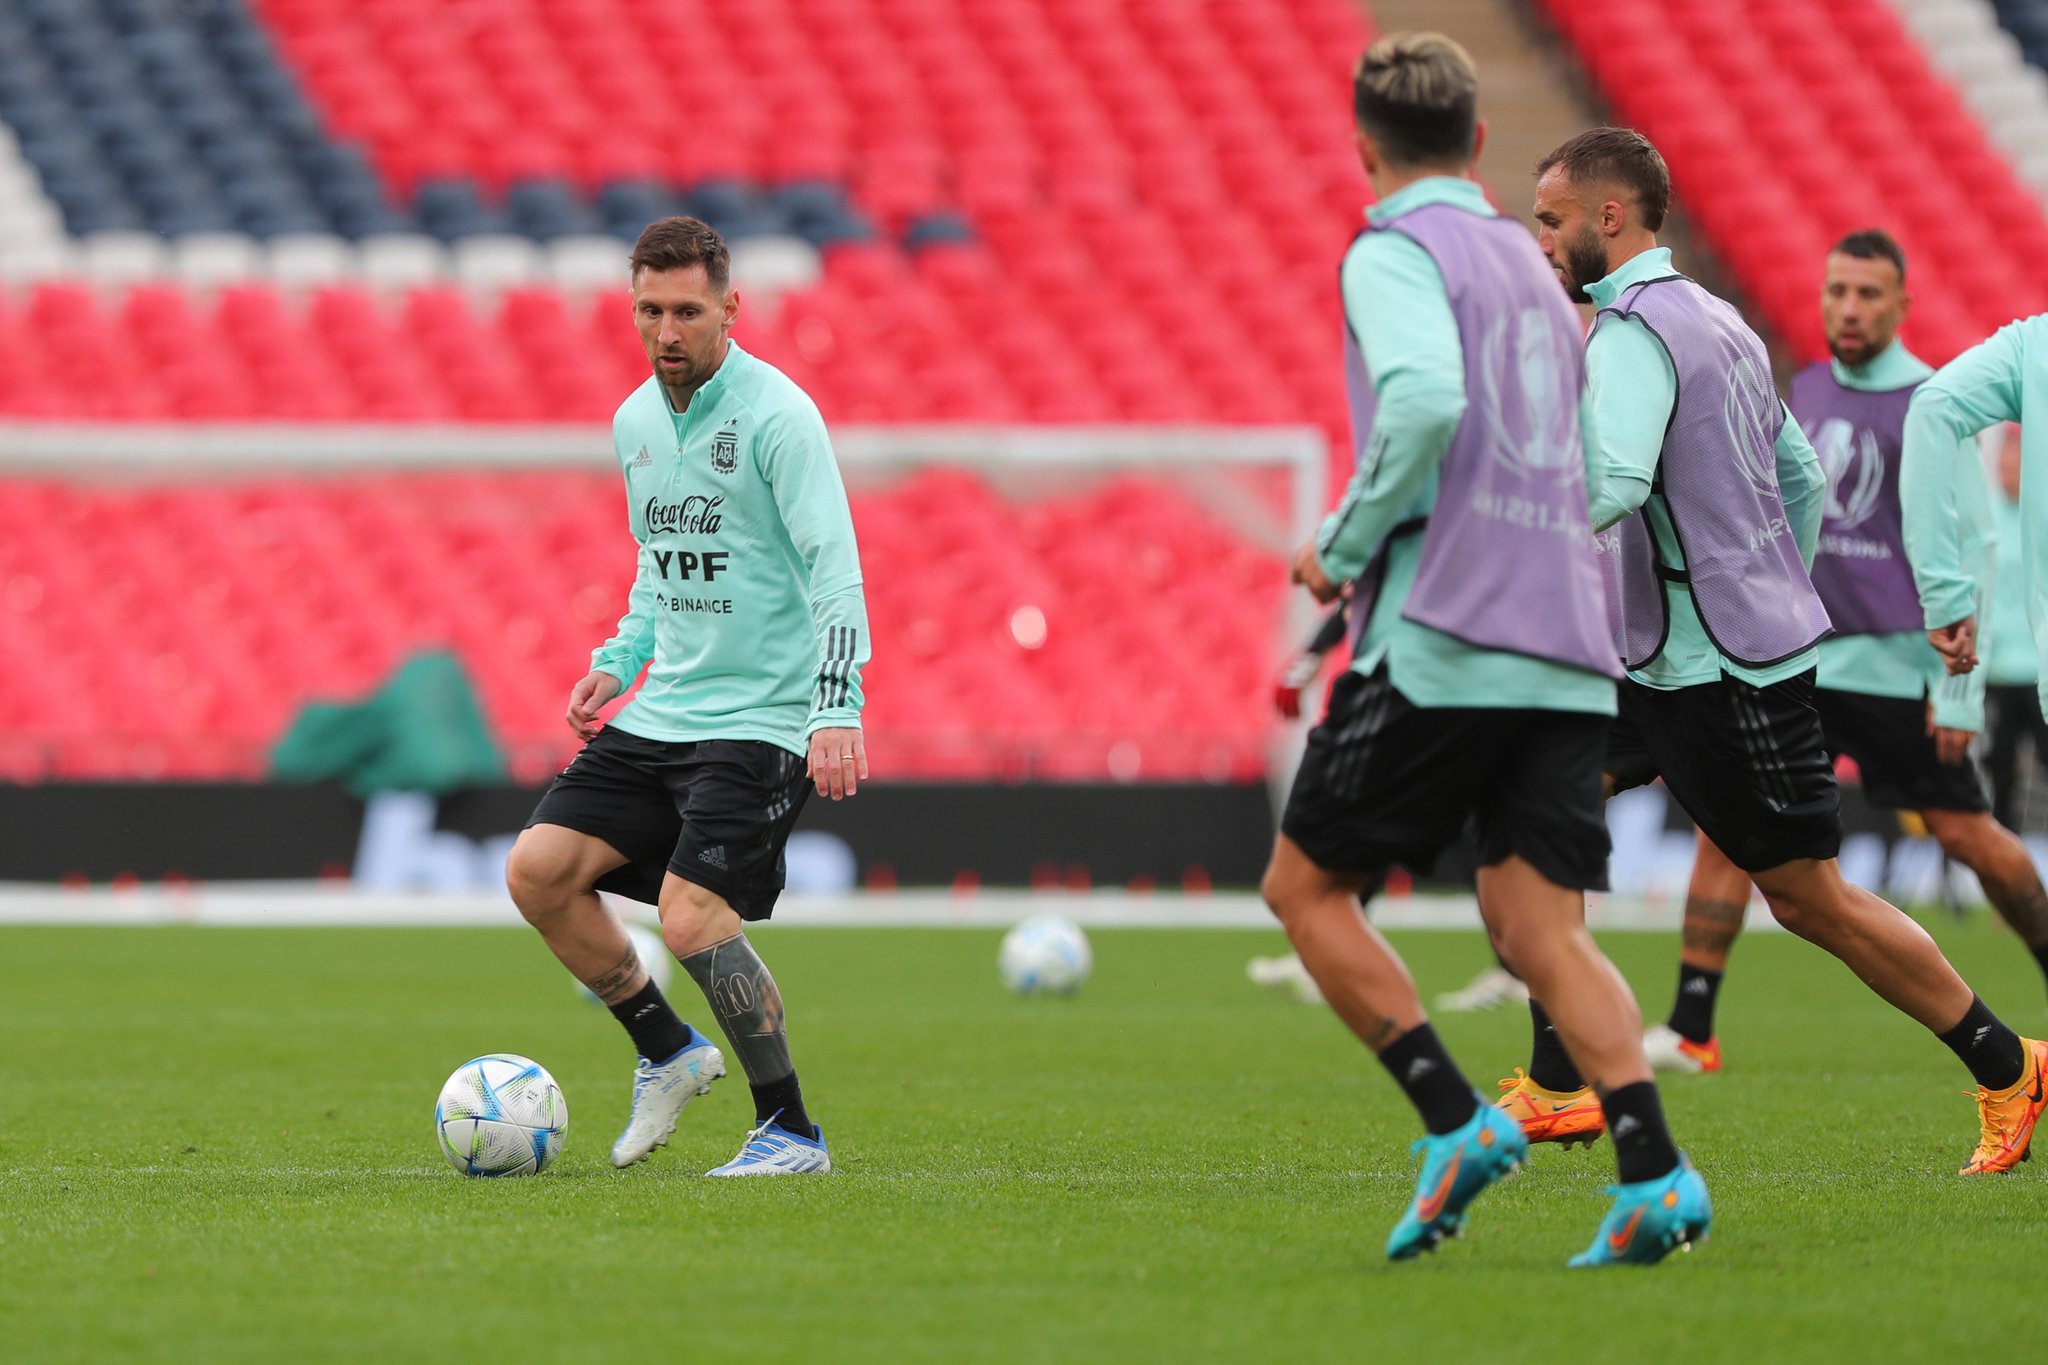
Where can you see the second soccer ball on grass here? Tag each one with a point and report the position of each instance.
(1045, 955)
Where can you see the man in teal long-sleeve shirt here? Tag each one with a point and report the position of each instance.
(1883, 696)
(1482, 678)
(747, 612)
(1709, 487)
(2011, 703)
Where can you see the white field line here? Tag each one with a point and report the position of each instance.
(304, 904)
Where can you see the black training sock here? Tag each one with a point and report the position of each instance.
(1550, 1066)
(1642, 1143)
(1692, 1010)
(1993, 1052)
(1430, 1079)
(783, 1101)
(657, 1031)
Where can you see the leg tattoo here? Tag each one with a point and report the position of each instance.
(749, 1008)
(2027, 912)
(1712, 926)
(618, 981)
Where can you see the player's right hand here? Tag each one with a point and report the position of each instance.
(590, 696)
(1957, 645)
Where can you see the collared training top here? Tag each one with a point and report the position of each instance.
(746, 607)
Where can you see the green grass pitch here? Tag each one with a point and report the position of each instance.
(215, 1145)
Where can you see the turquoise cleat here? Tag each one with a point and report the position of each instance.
(1650, 1218)
(1456, 1166)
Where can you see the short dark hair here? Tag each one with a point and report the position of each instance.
(1872, 244)
(1417, 96)
(1620, 156)
(678, 243)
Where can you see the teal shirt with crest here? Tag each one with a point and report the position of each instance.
(1398, 308)
(746, 609)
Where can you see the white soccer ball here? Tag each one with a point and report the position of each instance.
(654, 956)
(501, 1115)
(1045, 955)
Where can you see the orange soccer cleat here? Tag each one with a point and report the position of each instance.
(2008, 1116)
(1669, 1050)
(1570, 1117)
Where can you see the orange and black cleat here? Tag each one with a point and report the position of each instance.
(2008, 1116)
(1571, 1117)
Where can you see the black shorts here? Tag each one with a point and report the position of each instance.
(1384, 781)
(716, 812)
(1902, 770)
(1746, 763)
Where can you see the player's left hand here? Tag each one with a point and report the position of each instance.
(839, 761)
(1950, 746)
(1957, 645)
(1308, 571)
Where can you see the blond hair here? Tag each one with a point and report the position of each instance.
(1417, 96)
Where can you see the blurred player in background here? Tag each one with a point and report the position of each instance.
(1484, 677)
(1710, 503)
(748, 603)
(1284, 974)
(1883, 695)
(2010, 699)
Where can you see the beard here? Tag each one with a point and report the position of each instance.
(1853, 352)
(1585, 262)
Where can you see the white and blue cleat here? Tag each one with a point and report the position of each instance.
(1651, 1219)
(1456, 1168)
(772, 1149)
(660, 1091)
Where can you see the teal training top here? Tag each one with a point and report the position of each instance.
(1903, 664)
(747, 600)
(1632, 389)
(1946, 492)
(1397, 306)
(2010, 660)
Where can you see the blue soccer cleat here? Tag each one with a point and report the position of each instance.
(1650, 1218)
(1456, 1166)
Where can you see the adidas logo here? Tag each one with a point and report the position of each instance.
(1419, 1068)
(1626, 1124)
(713, 857)
(1977, 1038)
(1696, 986)
(643, 460)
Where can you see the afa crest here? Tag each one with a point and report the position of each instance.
(725, 450)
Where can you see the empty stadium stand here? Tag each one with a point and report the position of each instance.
(172, 632)
(1789, 122)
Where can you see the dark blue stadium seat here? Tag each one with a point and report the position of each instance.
(450, 208)
(546, 209)
(933, 229)
(626, 206)
(2027, 22)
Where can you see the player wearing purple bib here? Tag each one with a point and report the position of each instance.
(1482, 675)
(1884, 698)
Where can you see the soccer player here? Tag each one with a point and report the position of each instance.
(1709, 502)
(748, 603)
(2009, 693)
(1883, 694)
(1484, 677)
(1493, 987)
